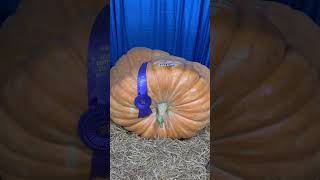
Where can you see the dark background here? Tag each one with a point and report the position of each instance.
(309, 7)
(7, 8)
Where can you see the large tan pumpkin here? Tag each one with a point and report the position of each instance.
(180, 94)
(266, 80)
(43, 89)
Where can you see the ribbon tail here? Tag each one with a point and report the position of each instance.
(99, 165)
(144, 112)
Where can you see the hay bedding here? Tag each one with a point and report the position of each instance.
(136, 158)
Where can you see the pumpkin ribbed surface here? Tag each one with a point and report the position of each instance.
(180, 94)
(267, 100)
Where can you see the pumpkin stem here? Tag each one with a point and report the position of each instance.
(162, 109)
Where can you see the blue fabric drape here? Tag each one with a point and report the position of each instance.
(179, 27)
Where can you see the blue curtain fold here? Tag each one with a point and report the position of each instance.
(179, 27)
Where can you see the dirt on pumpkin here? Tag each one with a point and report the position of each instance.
(136, 158)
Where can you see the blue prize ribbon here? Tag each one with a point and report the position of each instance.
(143, 101)
(93, 126)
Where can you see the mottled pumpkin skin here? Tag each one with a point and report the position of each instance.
(185, 88)
(266, 119)
(43, 90)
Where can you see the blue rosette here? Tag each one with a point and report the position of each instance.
(93, 128)
(143, 100)
(94, 133)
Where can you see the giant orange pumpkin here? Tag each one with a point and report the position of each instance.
(267, 98)
(43, 89)
(180, 94)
